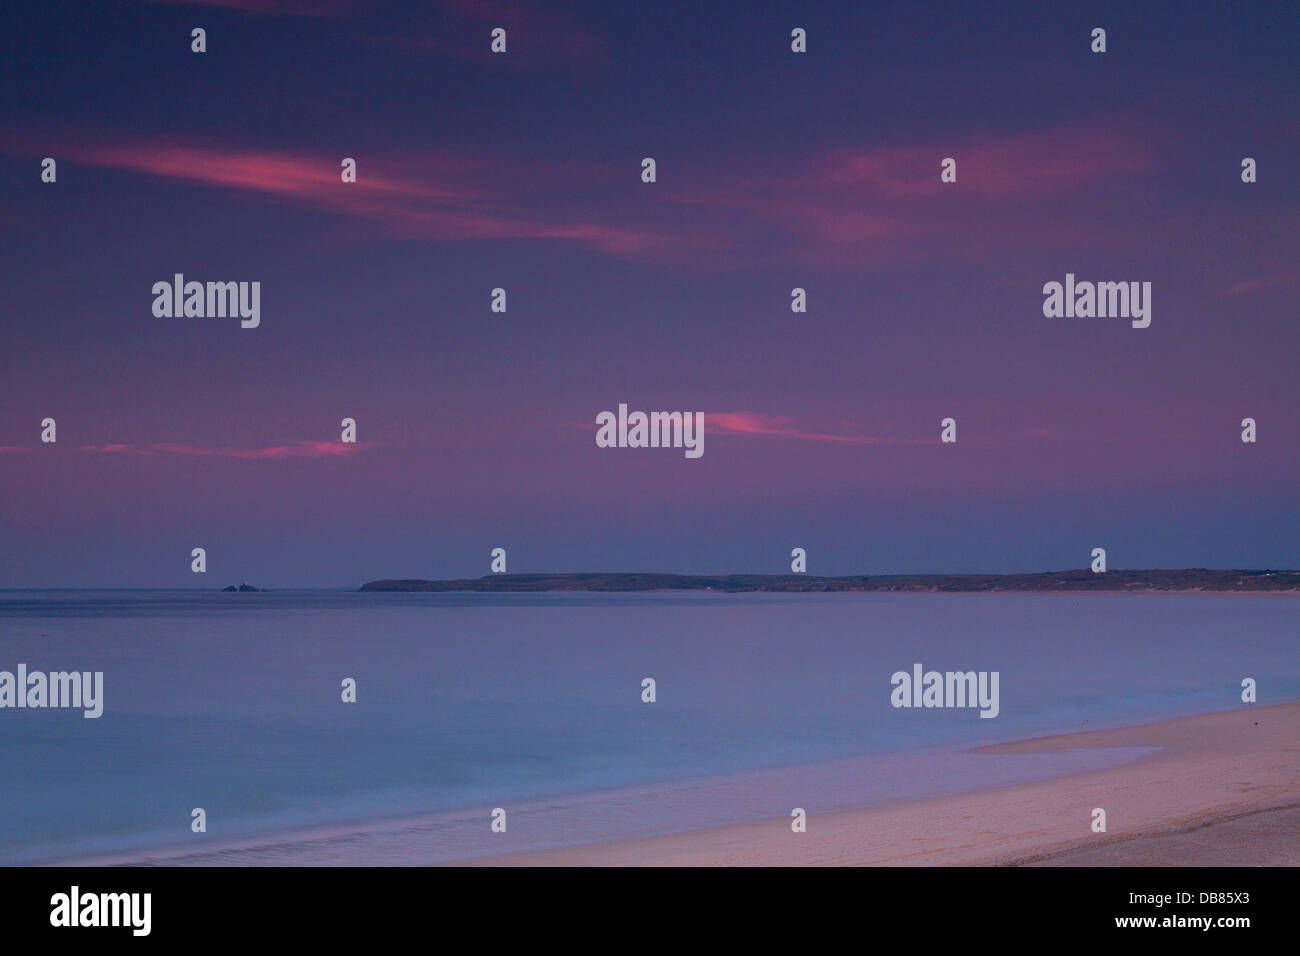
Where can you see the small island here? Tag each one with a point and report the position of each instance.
(242, 587)
(1191, 579)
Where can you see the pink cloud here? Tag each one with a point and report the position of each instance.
(574, 51)
(456, 28)
(300, 449)
(1043, 432)
(536, 35)
(1264, 282)
(749, 423)
(851, 204)
(438, 196)
(292, 8)
(1022, 166)
(14, 449)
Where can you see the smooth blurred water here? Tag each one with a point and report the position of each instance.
(231, 702)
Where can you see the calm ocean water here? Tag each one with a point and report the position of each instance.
(231, 702)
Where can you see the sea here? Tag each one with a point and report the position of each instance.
(534, 704)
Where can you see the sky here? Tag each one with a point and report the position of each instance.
(523, 171)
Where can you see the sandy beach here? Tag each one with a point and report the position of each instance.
(1223, 790)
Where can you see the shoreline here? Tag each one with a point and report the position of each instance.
(1196, 776)
(1232, 774)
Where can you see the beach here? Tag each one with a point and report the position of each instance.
(1215, 789)
(1224, 789)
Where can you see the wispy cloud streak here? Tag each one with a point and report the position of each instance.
(326, 9)
(847, 205)
(537, 35)
(748, 423)
(300, 449)
(1264, 282)
(439, 196)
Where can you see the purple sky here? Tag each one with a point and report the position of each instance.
(522, 171)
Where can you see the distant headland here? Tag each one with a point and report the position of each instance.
(1191, 579)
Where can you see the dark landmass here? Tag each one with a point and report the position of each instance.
(242, 587)
(1192, 579)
